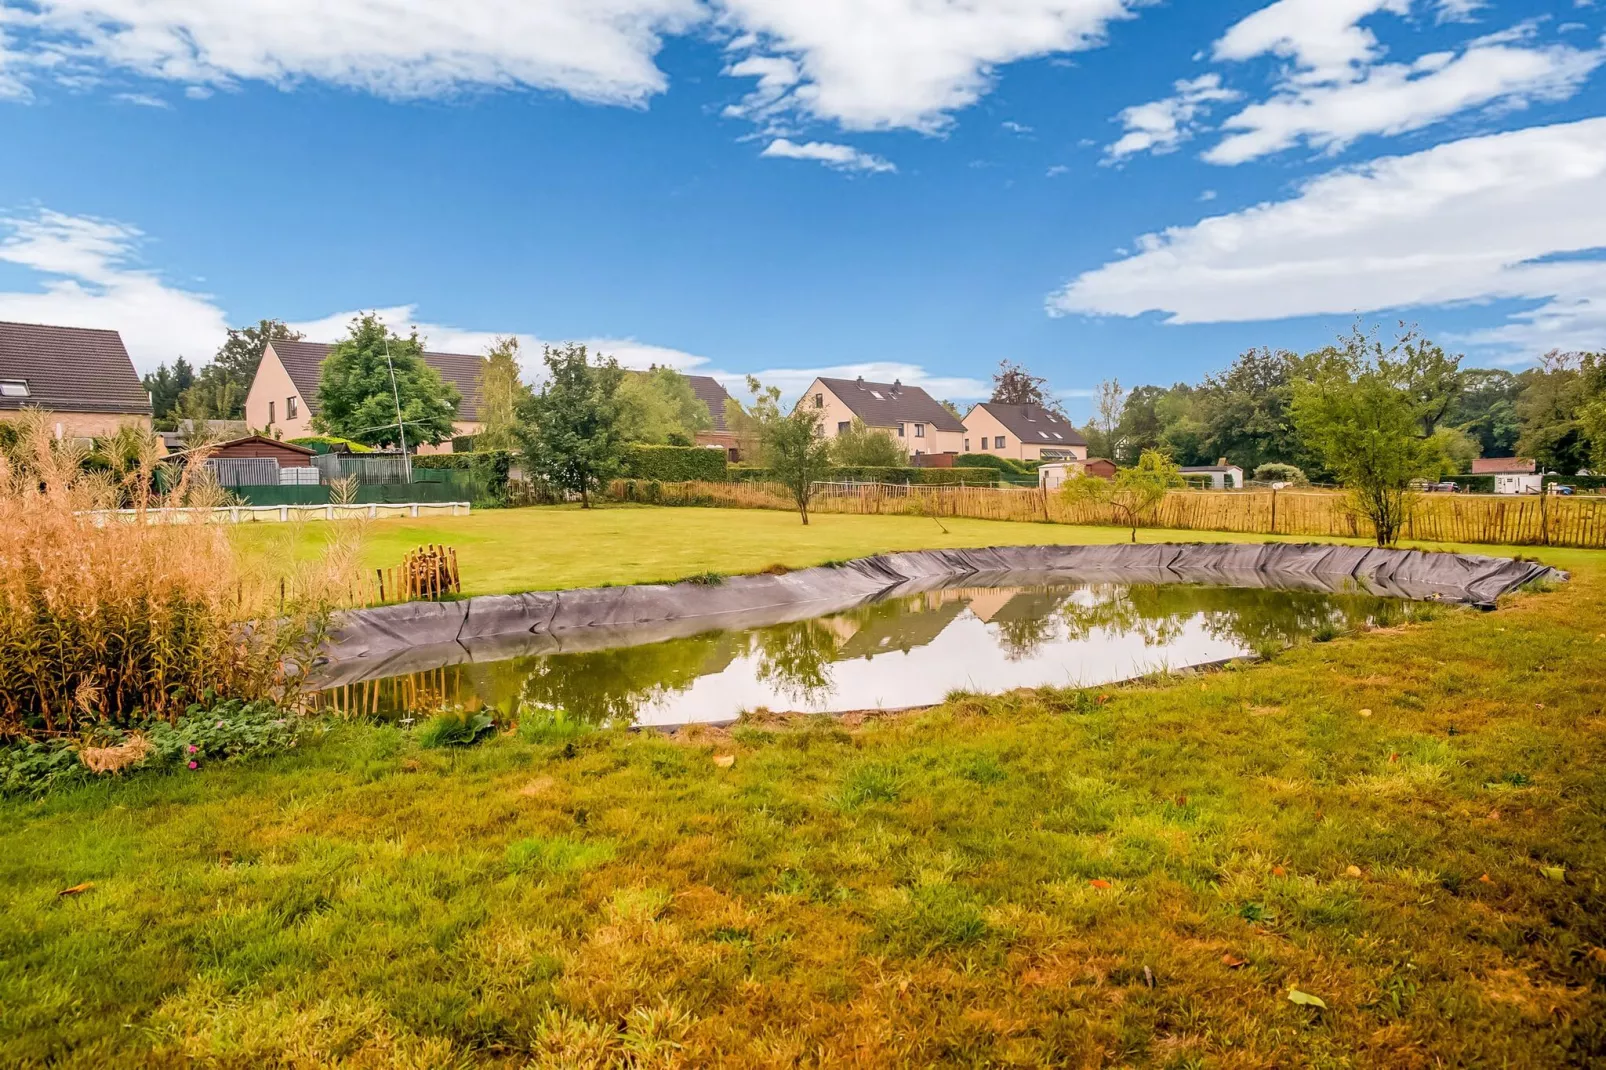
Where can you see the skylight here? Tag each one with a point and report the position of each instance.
(877, 395)
(13, 388)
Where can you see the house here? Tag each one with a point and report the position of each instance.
(712, 394)
(1221, 476)
(913, 417)
(1053, 476)
(284, 395)
(81, 375)
(1022, 433)
(1504, 466)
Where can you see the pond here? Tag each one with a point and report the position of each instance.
(895, 652)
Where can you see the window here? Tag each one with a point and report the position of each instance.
(270, 414)
(1059, 436)
(289, 408)
(843, 426)
(967, 445)
(920, 430)
(13, 388)
(900, 430)
(998, 443)
(819, 401)
(876, 394)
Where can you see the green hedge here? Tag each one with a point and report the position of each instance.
(1003, 465)
(675, 464)
(489, 469)
(867, 474)
(1582, 484)
(330, 444)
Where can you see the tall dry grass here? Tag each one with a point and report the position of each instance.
(116, 618)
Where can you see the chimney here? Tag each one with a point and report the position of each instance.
(897, 384)
(1222, 462)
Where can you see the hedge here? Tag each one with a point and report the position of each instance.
(1003, 465)
(330, 444)
(675, 464)
(489, 467)
(867, 474)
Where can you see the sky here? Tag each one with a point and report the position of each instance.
(914, 189)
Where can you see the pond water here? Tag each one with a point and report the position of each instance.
(901, 651)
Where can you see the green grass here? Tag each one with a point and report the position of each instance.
(1039, 878)
(550, 548)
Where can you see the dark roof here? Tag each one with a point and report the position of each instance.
(304, 362)
(70, 369)
(891, 404)
(1033, 423)
(710, 393)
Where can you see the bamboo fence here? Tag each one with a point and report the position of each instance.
(428, 573)
(1513, 520)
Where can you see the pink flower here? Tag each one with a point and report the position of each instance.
(195, 765)
(218, 725)
(193, 748)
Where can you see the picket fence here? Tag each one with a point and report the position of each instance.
(1528, 520)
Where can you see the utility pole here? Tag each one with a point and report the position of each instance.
(401, 428)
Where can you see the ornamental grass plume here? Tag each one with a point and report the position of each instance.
(114, 618)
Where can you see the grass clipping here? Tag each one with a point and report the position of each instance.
(113, 618)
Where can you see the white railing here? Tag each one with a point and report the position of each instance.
(247, 514)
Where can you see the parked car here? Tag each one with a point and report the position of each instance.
(1441, 488)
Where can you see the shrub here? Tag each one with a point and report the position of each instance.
(1280, 473)
(675, 464)
(488, 468)
(1004, 466)
(330, 444)
(864, 474)
(110, 620)
(455, 728)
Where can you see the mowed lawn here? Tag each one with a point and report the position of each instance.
(1408, 825)
(554, 547)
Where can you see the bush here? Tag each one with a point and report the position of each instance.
(116, 622)
(675, 464)
(915, 476)
(488, 468)
(1002, 465)
(330, 444)
(1280, 473)
(455, 728)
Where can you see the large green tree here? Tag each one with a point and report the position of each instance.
(659, 407)
(358, 397)
(1551, 407)
(570, 430)
(1486, 409)
(1244, 411)
(502, 391)
(166, 386)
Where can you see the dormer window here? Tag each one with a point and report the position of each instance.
(819, 401)
(14, 388)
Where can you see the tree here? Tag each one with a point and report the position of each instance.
(221, 386)
(1109, 402)
(358, 399)
(792, 445)
(867, 447)
(166, 386)
(569, 430)
(1552, 399)
(1486, 409)
(502, 391)
(1272, 472)
(1244, 411)
(1014, 385)
(1134, 493)
(1359, 414)
(659, 407)
(1432, 378)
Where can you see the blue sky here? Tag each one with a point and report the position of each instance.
(1096, 188)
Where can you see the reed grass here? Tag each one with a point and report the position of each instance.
(115, 618)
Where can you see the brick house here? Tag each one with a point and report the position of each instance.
(82, 376)
(284, 395)
(914, 419)
(1022, 433)
(711, 393)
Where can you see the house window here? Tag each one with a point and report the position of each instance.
(270, 414)
(289, 408)
(998, 443)
(13, 388)
(967, 445)
(819, 401)
(920, 430)
(900, 430)
(843, 426)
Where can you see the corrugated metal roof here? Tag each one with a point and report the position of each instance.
(69, 369)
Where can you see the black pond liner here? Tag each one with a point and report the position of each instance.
(368, 644)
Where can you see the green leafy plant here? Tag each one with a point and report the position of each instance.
(455, 728)
(1134, 494)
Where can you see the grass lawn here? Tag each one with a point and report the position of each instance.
(553, 547)
(1408, 825)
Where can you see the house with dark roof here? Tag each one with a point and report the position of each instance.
(711, 393)
(81, 375)
(913, 417)
(284, 395)
(1022, 433)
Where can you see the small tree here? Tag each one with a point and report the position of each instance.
(569, 430)
(797, 453)
(1134, 493)
(1014, 385)
(1101, 431)
(1277, 472)
(1358, 415)
(502, 391)
(358, 398)
(867, 447)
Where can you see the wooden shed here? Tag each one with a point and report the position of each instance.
(288, 456)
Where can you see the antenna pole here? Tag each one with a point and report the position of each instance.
(401, 427)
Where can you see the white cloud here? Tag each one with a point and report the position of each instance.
(1459, 10)
(841, 157)
(89, 278)
(1475, 220)
(1161, 125)
(1016, 128)
(1324, 38)
(1395, 98)
(599, 50)
(143, 100)
(897, 64)
(793, 381)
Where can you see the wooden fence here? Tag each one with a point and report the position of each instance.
(1515, 520)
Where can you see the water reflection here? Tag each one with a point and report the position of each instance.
(902, 651)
